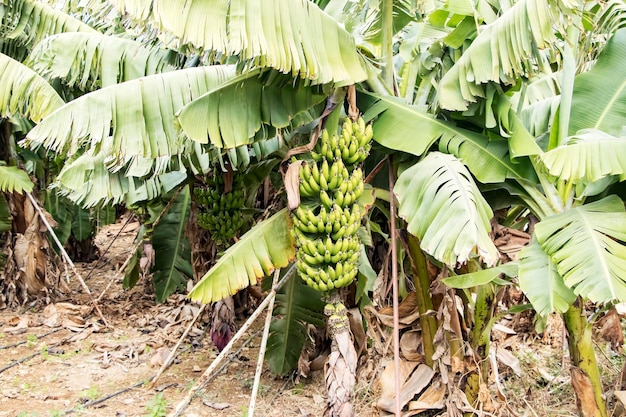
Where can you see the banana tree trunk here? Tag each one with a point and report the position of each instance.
(585, 374)
(425, 304)
(340, 368)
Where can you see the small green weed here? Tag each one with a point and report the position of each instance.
(92, 393)
(31, 339)
(157, 407)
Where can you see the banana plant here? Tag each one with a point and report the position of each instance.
(577, 252)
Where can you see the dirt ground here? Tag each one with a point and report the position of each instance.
(59, 359)
(70, 362)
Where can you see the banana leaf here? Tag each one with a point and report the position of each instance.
(172, 251)
(296, 306)
(13, 179)
(444, 208)
(586, 245)
(266, 246)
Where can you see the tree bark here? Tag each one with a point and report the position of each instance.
(585, 374)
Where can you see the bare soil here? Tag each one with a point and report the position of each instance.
(70, 363)
(83, 362)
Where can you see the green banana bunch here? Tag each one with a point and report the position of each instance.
(326, 225)
(220, 213)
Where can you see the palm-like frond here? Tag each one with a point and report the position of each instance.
(266, 246)
(590, 155)
(604, 86)
(296, 306)
(541, 282)
(504, 50)
(87, 180)
(292, 36)
(586, 245)
(246, 104)
(131, 122)
(24, 93)
(408, 129)
(13, 179)
(23, 23)
(93, 60)
(443, 207)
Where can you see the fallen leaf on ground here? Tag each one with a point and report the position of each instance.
(216, 406)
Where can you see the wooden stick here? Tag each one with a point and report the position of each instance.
(394, 283)
(182, 405)
(172, 354)
(65, 256)
(266, 332)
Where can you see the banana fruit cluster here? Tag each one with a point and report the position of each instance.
(220, 213)
(326, 223)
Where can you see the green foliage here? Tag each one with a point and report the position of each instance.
(541, 282)
(13, 179)
(443, 207)
(604, 86)
(113, 60)
(250, 108)
(296, 306)
(321, 50)
(172, 252)
(157, 407)
(266, 246)
(24, 93)
(586, 245)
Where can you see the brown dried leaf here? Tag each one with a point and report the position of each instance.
(609, 328)
(431, 399)
(292, 184)
(159, 357)
(585, 399)
(410, 346)
(216, 406)
(507, 358)
(387, 378)
(66, 315)
(357, 329)
(419, 379)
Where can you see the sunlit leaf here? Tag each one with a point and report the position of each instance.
(269, 34)
(13, 179)
(443, 207)
(24, 93)
(585, 243)
(541, 282)
(266, 246)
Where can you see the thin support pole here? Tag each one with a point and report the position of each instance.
(182, 405)
(266, 332)
(394, 283)
(65, 256)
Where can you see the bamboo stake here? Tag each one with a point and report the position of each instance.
(67, 257)
(172, 354)
(182, 405)
(394, 282)
(266, 332)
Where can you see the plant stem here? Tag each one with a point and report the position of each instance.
(421, 280)
(387, 43)
(586, 379)
(483, 312)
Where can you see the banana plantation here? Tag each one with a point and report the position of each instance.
(402, 187)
